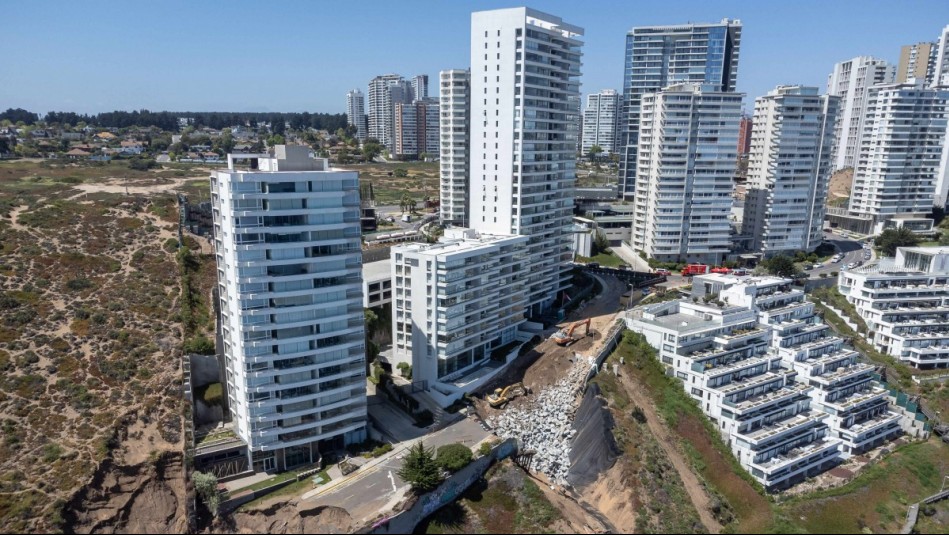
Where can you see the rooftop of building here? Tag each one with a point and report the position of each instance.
(459, 240)
(376, 271)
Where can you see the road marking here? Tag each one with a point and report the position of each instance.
(392, 479)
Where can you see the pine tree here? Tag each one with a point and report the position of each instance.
(420, 470)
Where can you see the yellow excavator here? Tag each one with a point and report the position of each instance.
(501, 397)
(565, 338)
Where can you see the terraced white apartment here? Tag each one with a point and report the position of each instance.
(905, 304)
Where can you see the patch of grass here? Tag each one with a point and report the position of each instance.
(604, 259)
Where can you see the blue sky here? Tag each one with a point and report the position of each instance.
(305, 55)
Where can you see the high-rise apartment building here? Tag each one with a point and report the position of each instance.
(744, 135)
(416, 129)
(455, 303)
(601, 121)
(940, 64)
(916, 63)
(420, 87)
(525, 66)
(688, 139)
(789, 169)
(381, 109)
(659, 56)
(851, 81)
(900, 168)
(356, 113)
(287, 240)
(455, 106)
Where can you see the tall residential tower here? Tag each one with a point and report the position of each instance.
(525, 68)
(356, 113)
(658, 56)
(287, 240)
(455, 125)
(601, 122)
(688, 141)
(789, 169)
(851, 81)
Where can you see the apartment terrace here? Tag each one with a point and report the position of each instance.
(809, 453)
(772, 432)
(776, 397)
(856, 399)
(756, 381)
(843, 375)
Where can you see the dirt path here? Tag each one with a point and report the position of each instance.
(15, 215)
(700, 499)
(119, 185)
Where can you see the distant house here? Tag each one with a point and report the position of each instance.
(39, 132)
(211, 156)
(71, 136)
(132, 148)
(78, 154)
(163, 158)
(106, 136)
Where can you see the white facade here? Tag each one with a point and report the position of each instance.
(659, 56)
(455, 302)
(601, 122)
(380, 107)
(356, 113)
(721, 356)
(455, 124)
(420, 87)
(851, 81)
(905, 304)
(940, 66)
(900, 172)
(377, 283)
(688, 142)
(785, 393)
(287, 239)
(789, 169)
(525, 67)
(856, 405)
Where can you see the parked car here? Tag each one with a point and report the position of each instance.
(663, 272)
(593, 265)
(818, 266)
(808, 267)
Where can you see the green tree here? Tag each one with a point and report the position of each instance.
(453, 457)
(890, 239)
(400, 172)
(600, 242)
(420, 470)
(781, 266)
(371, 149)
(205, 485)
(406, 202)
(594, 152)
(276, 139)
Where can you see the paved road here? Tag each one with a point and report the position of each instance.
(374, 489)
(852, 249)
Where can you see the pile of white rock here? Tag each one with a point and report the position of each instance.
(545, 427)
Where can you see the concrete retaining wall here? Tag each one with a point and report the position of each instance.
(450, 490)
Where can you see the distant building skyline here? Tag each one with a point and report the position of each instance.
(784, 45)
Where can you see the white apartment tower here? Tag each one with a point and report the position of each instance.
(940, 64)
(688, 143)
(287, 240)
(851, 81)
(900, 169)
(455, 303)
(380, 107)
(455, 124)
(420, 87)
(659, 56)
(789, 168)
(525, 66)
(601, 122)
(356, 113)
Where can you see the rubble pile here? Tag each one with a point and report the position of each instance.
(544, 427)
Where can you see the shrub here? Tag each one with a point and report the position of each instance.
(453, 457)
(202, 345)
(206, 487)
(381, 450)
(400, 172)
(212, 394)
(78, 284)
(485, 448)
